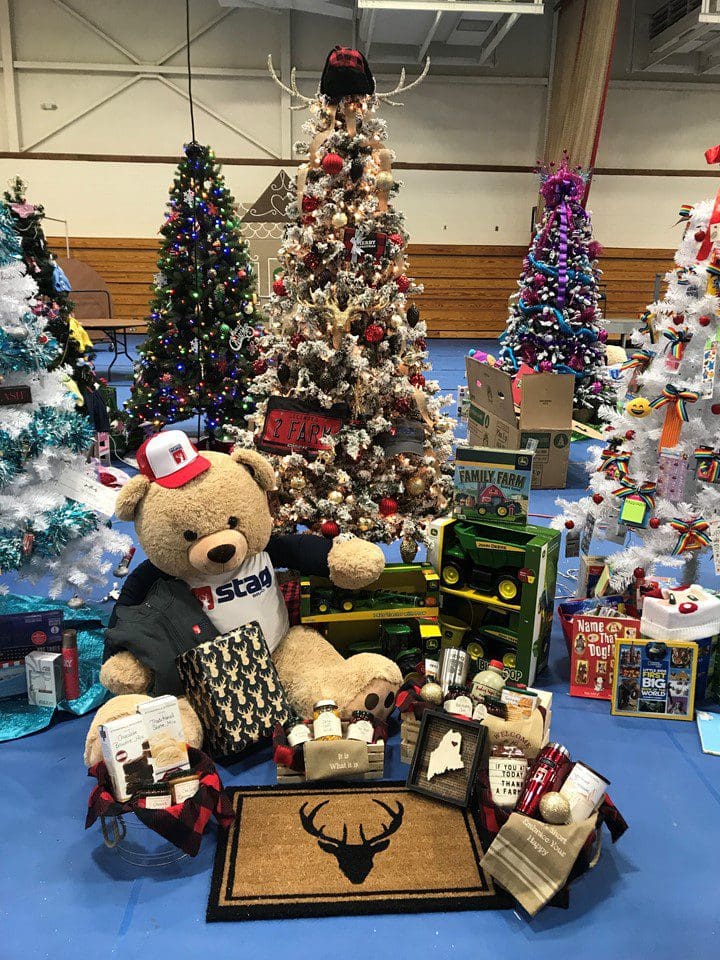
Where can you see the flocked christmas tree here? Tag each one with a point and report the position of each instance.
(52, 300)
(41, 436)
(658, 476)
(343, 401)
(555, 323)
(195, 358)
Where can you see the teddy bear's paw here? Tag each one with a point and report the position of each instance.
(355, 563)
(122, 706)
(123, 673)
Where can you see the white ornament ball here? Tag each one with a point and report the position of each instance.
(384, 181)
(339, 220)
(335, 496)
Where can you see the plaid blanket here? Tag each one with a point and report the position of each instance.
(182, 824)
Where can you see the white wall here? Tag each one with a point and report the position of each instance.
(492, 119)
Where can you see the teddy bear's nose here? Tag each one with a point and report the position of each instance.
(221, 553)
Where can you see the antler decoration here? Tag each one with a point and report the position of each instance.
(401, 88)
(292, 89)
(341, 319)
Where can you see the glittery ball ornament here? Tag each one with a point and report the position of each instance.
(332, 164)
(329, 529)
(388, 506)
(432, 693)
(554, 808)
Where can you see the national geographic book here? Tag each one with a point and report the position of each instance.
(492, 484)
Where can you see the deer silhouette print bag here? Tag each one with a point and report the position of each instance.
(233, 687)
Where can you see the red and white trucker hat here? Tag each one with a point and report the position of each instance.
(170, 459)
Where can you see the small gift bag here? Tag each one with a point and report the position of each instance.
(233, 687)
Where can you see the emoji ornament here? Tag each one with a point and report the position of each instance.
(638, 407)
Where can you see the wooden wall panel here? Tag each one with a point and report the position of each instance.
(466, 287)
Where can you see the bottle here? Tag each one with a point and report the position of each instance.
(326, 721)
(547, 772)
(70, 665)
(297, 731)
(490, 682)
(361, 726)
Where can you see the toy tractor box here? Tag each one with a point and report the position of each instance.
(397, 615)
(543, 419)
(500, 579)
(490, 484)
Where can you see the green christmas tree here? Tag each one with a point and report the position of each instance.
(196, 357)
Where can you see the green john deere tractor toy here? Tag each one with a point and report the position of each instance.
(465, 565)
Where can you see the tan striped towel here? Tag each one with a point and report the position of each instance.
(533, 860)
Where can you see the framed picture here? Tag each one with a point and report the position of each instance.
(654, 678)
(446, 757)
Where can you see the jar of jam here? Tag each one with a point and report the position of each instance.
(458, 702)
(297, 731)
(361, 726)
(326, 721)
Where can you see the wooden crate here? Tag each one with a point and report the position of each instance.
(376, 760)
(409, 730)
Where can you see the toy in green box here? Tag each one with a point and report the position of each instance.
(500, 580)
(490, 483)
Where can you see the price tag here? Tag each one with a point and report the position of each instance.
(587, 534)
(715, 544)
(572, 543)
(84, 488)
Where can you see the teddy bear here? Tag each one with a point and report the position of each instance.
(205, 524)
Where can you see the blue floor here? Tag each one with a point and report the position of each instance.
(64, 896)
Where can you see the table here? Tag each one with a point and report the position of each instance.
(114, 328)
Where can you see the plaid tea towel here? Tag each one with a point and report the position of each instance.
(182, 824)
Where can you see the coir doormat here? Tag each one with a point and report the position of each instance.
(309, 851)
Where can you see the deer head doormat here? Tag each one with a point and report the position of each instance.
(309, 851)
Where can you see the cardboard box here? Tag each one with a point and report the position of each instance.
(22, 633)
(126, 754)
(544, 416)
(43, 672)
(165, 735)
(500, 579)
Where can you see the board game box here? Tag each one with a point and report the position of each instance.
(492, 484)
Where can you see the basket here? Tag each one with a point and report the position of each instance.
(137, 844)
(376, 764)
(409, 731)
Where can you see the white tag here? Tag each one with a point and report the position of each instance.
(715, 543)
(158, 801)
(80, 486)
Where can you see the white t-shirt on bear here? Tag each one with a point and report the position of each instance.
(251, 593)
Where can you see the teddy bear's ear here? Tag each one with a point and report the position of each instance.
(257, 466)
(130, 496)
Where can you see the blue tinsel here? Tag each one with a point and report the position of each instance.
(59, 528)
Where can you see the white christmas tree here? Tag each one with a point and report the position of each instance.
(41, 531)
(657, 481)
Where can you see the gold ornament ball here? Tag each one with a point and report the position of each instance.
(555, 808)
(384, 181)
(339, 220)
(335, 496)
(364, 523)
(297, 483)
(350, 499)
(638, 407)
(432, 693)
(416, 484)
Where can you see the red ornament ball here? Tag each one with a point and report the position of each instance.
(279, 287)
(388, 506)
(569, 524)
(654, 523)
(629, 434)
(598, 498)
(678, 319)
(260, 366)
(309, 204)
(396, 239)
(403, 283)
(417, 380)
(329, 529)
(704, 320)
(700, 235)
(374, 333)
(715, 408)
(332, 164)
(296, 340)
(639, 573)
(42, 338)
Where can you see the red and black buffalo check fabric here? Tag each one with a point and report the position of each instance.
(182, 824)
(290, 590)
